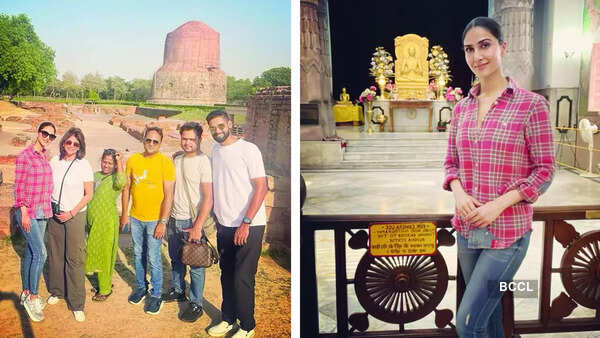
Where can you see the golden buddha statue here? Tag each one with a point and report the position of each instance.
(412, 69)
(344, 97)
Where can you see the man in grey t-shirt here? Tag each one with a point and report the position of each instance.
(191, 207)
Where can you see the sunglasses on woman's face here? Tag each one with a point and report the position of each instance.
(149, 141)
(46, 134)
(71, 143)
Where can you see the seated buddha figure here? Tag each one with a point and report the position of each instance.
(411, 68)
(344, 97)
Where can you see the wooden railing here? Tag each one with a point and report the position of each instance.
(579, 271)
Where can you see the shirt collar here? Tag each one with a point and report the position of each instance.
(510, 88)
(32, 150)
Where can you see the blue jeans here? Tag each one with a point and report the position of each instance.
(480, 311)
(146, 248)
(174, 236)
(35, 254)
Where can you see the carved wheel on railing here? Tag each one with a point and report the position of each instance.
(580, 269)
(401, 289)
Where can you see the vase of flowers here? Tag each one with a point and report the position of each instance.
(453, 95)
(382, 67)
(366, 97)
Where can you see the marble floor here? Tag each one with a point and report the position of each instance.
(415, 192)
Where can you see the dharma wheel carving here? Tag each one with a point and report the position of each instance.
(400, 289)
(580, 269)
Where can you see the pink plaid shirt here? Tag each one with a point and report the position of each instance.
(33, 182)
(513, 149)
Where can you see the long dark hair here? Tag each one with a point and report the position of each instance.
(488, 23)
(80, 138)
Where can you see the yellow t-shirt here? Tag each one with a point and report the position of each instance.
(147, 175)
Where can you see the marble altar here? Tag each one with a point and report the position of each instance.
(413, 116)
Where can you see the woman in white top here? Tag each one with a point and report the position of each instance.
(73, 189)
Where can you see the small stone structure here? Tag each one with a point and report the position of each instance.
(190, 74)
(268, 126)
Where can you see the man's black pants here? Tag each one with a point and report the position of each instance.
(238, 267)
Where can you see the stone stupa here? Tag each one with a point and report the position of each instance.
(190, 74)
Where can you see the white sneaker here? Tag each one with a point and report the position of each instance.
(52, 300)
(23, 296)
(220, 329)
(34, 308)
(79, 316)
(243, 334)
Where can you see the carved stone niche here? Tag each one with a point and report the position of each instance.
(412, 69)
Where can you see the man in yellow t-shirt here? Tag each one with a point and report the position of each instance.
(150, 181)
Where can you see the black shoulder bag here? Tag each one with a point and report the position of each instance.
(56, 206)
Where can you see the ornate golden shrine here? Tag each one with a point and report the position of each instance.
(412, 69)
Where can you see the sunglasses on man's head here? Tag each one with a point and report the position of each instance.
(71, 143)
(220, 126)
(149, 140)
(46, 134)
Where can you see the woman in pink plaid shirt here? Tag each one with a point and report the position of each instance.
(499, 160)
(33, 187)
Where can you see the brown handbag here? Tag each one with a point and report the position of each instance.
(199, 254)
(196, 253)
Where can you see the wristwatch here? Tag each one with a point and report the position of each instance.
(163, 221)
(246, 220)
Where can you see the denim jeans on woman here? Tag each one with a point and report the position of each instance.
(146, 248)
(35, 252)
(175, 234)
(480, 311)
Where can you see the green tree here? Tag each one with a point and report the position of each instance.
(26, 63)
(116, 88)
(279, 76)
(70, 84)
(93, 95)
(93, 82)
(139, 90)
(238, 90)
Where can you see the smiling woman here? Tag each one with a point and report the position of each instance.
(33, 187)
(494, 188)
(73, 189)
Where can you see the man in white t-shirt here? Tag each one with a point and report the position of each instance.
(239, 189)
(192, 203)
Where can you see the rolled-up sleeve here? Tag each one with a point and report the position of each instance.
(21, 165)
(539, 141)
(451, 162)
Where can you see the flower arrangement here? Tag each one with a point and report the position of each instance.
(453, 94)
(381, 63)
(382, 67)
(368, 94)
(389, 87)
(439, 69)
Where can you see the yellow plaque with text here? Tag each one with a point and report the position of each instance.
(402, 239)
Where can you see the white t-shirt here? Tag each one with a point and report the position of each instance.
(197, 170)
(234, 167)
(72, 192)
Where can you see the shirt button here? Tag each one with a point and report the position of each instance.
(474, 188)
(504, 124)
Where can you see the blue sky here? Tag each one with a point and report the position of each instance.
(126, 38)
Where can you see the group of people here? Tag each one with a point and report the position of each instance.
(172, 197)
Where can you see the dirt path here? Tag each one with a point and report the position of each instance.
(116, 317)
